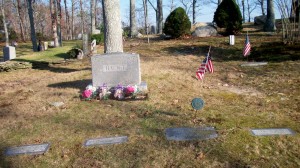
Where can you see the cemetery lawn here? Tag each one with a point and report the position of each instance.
(237, 99)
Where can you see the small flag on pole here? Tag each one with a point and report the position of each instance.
(247, 47)
(206, 65)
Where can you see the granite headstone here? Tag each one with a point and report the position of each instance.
(116, 68)
(9, 53)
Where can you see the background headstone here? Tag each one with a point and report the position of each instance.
(9, 53)
(45, 45)
(231, 39)
(153, 29)
(116, 68)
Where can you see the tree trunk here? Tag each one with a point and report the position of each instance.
(146, 15)
(112, 26)
(243, 6)
(248, 9)
(81, 16)
(270, 22)
(58, 16)
(54, 22)
(93, 16)
(160, 17)
(21, 23)
(30, 14)
(194, 11)
(72, 20)
(133, 29)
(4, 24)
(67, 20)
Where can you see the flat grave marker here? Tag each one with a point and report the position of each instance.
(105, 141)
(186, 134)
(254, 64)
(27, 149)
(272, 131)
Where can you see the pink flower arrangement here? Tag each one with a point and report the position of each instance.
(87, 94)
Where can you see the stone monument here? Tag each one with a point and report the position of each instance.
(9, 53)
(113, 69)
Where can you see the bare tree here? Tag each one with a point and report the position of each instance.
(58, 17)
(21, 23)
(261, 3)
(93, 16)
(145, 6)
(172, 6)
(67, 20)
(54, 22)
(81, 17)
(159, 15)
(112, 25)
(243, 8)
(288, 10)
(31, 18)
(250, 8)
(4, 24)
(187, 5)
(133, 28)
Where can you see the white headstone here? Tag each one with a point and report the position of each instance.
(45, 45)
(9, 53)
(231, 39)
(52, 43)
(116, 68)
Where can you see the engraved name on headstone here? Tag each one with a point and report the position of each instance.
(185, 134)
(106, 141)
(28, 149)
(116, 68)
(272, 131)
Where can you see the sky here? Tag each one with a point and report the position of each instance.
(205, 14)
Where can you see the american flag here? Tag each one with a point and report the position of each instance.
(206, 65)
(247, 47)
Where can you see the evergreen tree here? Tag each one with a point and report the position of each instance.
(177, 23)
(228, 15)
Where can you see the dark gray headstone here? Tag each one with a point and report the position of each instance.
(28, 149)
(185, 134)
(272, 131)
(9, 53)
(116, 68)
(106, 141)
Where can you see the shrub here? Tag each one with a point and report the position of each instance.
(228, 15)
(98, 37)
(177, 23)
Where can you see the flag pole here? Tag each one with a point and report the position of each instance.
(206, 62)
(247, 55)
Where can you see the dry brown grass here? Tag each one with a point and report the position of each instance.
(236, 99)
